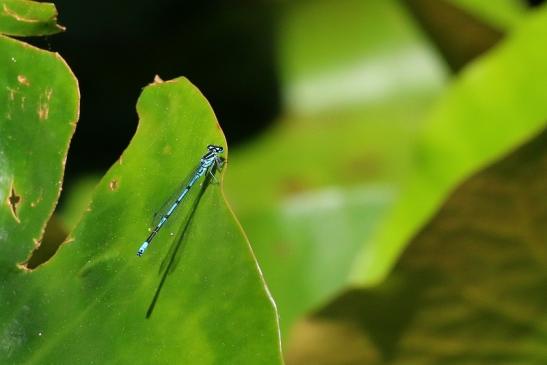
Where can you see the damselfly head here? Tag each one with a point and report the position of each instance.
(215, 149)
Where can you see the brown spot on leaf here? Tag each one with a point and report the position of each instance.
(13, 201)
(113, 185)
(23, 80)
(43, 112)
(43, 105)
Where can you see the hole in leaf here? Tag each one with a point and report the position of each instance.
(13, 201)
(54, 235)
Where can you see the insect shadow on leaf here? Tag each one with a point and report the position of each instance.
(179, 243)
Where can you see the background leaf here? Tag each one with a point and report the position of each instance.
(493, 107)
(88, 303)
(470, 288)
(358, 78)
(332, 194)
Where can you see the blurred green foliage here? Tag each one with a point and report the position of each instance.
(365, 151)
(311, 190)
(504, 15)
(469, 289)
(492, 107)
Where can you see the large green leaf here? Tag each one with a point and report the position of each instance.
(28, 18)
(38, 113)
(495, 105)
(470, 288)
(89, 303)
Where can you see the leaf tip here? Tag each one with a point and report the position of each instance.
(157, 80)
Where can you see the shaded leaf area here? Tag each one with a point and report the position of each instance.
(88, 304)
(39, 103)
(470, 288)
(493, 106)
(28, 18)
(358, 79)
(459, 35)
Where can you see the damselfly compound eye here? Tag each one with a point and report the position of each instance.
(216, 149)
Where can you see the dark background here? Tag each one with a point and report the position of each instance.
(115, 48)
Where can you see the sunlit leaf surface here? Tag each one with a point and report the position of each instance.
(195, 297)
(38, 113)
